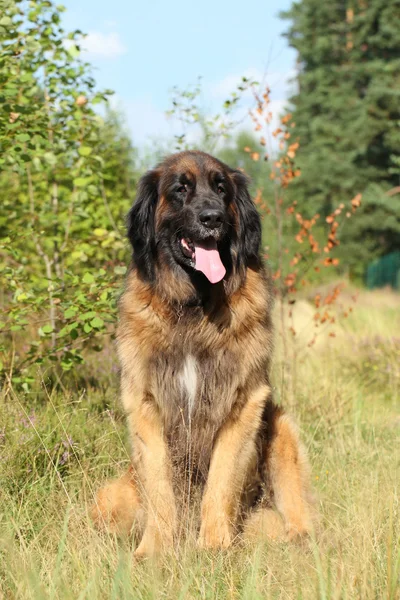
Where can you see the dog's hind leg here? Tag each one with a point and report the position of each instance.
(117, 507)
(287, 474)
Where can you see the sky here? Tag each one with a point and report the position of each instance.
(142, 49)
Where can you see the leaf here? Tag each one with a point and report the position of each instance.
(63, 332)
(85, 150)
(356, 202)
(120, 270)
(70, 312)
(88, 315)
(50, 158)
(97, 322)
(99, 232)
(87, 328)
(88, 278)
(66, 365)
(23, 137)
(80, 182)
(73, 51)
(47, 329)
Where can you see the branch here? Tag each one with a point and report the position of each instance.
(47, 261)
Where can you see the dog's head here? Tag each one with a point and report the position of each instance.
(194, 213)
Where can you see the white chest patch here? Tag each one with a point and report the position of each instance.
(188, 381)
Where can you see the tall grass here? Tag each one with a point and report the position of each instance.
(55, 450)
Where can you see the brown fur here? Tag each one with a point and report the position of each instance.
(228, 440)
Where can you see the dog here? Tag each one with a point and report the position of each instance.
(195, 341)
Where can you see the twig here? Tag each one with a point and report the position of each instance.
(48, 262)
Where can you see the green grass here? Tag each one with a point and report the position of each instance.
(57, 448)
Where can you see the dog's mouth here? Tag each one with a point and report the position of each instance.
(204, 256)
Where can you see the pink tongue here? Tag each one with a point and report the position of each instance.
(208, 261)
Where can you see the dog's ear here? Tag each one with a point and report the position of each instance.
(141, 224)
(249, 220)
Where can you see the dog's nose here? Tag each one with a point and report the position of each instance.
(211, 218)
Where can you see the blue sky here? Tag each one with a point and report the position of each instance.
(142, 49)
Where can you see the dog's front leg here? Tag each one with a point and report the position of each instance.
(232, 455)
(155, 474)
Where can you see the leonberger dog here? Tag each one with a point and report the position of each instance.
(194, 342)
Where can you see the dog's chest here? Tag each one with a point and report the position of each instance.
(188, 381)
(195, 393)
(193, 385)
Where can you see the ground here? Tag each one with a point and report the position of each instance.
(344, 392)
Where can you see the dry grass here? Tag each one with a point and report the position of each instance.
(345, 395)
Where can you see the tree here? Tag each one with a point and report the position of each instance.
(347, 114)
(66, 179)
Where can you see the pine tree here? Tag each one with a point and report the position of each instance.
(347, 115)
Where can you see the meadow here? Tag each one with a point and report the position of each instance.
(58, 446)
(325, 179)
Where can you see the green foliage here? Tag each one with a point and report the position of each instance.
(347, 111)
(66, 179)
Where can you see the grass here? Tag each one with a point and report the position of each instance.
(57, 448)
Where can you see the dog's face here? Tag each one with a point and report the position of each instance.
(194, 212)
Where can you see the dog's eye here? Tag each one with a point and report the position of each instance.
(182, 189)
(221, 189)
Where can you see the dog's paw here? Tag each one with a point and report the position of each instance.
(154, 542)
(296, 533)
(215, 535)
(146, 550)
